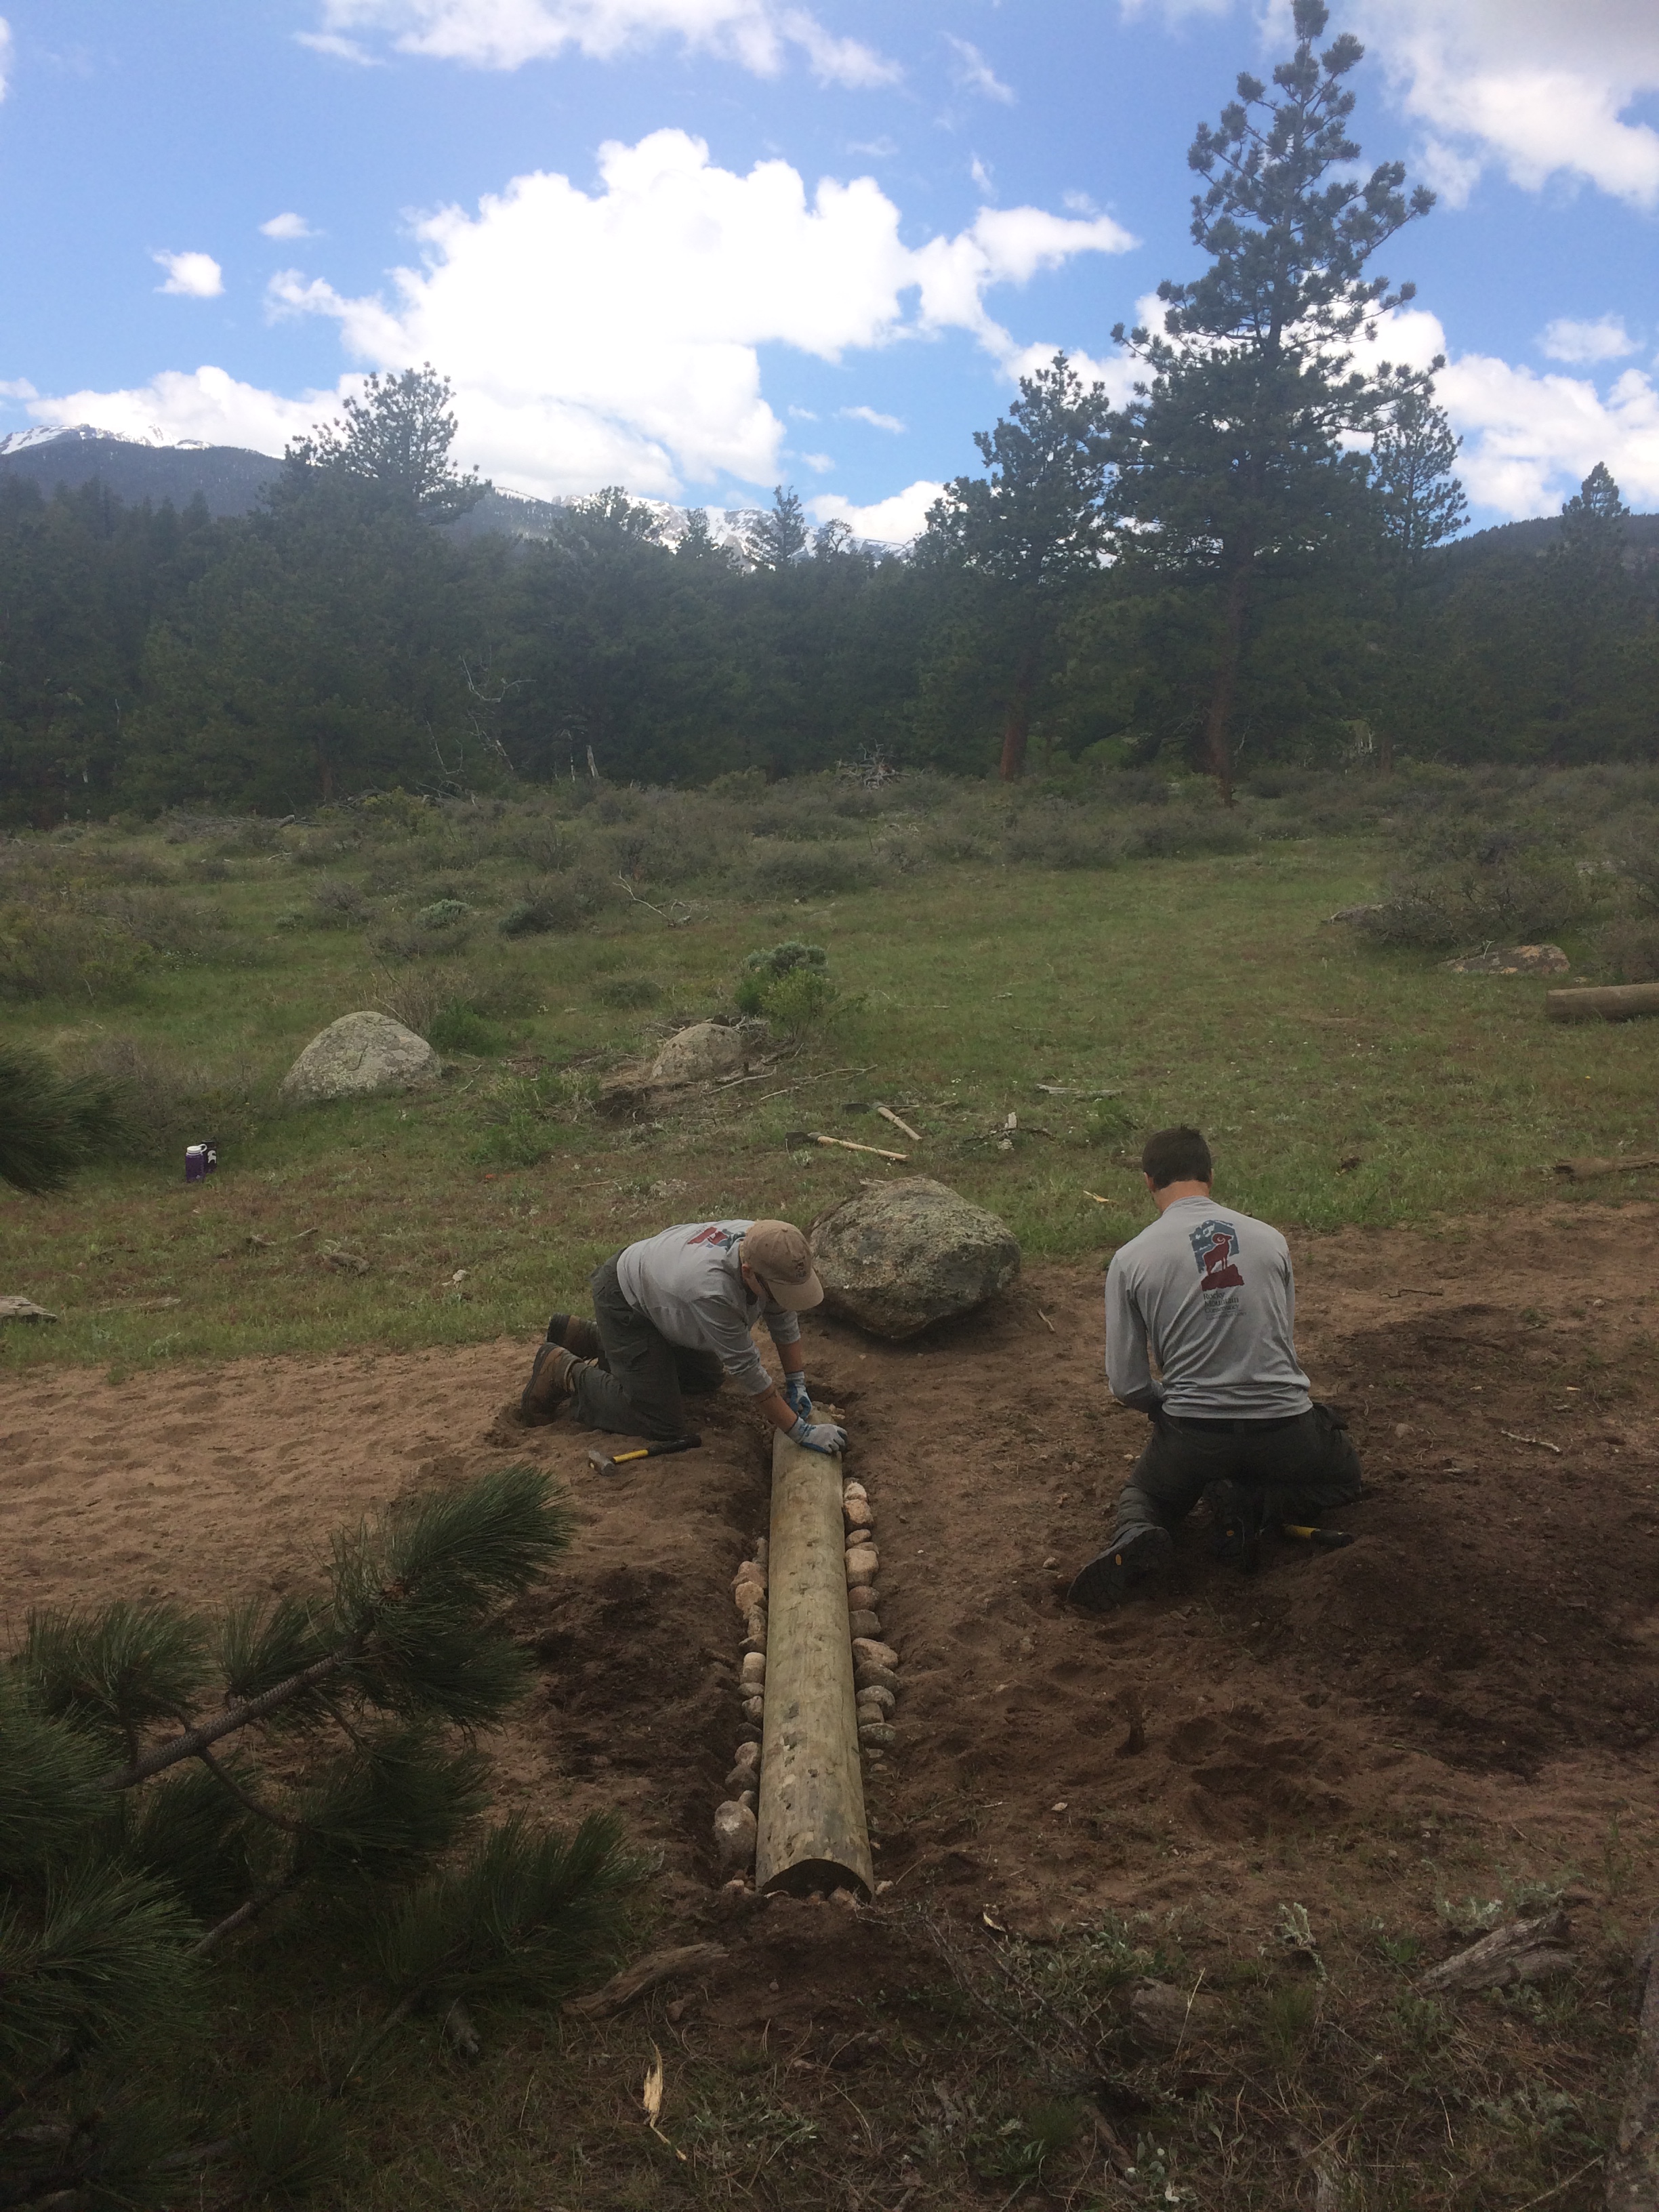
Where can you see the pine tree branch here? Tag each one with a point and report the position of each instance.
(244, 1913)
(194, 1741)
(283, 1820)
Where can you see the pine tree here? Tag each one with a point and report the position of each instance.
(1032, 527)
(395, 442)
(1230, 460)
(1413, 453)
(166, 1781)
(776, 539)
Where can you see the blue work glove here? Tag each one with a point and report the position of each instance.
(794, 1389)
(818, 1436)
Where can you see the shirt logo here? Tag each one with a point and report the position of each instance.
(726, 1238)
(1215, 1246)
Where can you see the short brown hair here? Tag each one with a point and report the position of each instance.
(1176, 1156)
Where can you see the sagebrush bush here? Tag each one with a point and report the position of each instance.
(1628, 951)
(460, 1028)
(782, 870)
(167, 1102)
(56, 952)
(1057, 836)
(337, 903)
(627, 991)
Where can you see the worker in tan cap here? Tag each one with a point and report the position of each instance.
(673, 1313)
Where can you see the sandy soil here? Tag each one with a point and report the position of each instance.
(1483, 1662)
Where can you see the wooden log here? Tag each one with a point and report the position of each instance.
(1632, 2167)
(812, 1833)
(1608, 1002)
(1584, 1170)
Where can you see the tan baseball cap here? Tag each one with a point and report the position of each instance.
(782, 1258)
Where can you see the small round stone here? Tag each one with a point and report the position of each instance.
(735, 1831)
(862, 1599)
(754, 1709)
(754, 1667)
(867, 1675)
(871, 1648)
(878, 1735)
(875, 1698)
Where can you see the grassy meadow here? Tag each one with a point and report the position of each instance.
(1176, 961)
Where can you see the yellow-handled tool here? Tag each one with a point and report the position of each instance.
(1328, 1540)
(607, 1463)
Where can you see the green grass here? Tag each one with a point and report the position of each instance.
(1202, 989)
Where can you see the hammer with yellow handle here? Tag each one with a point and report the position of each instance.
(1328, 1540)
(604, 1463)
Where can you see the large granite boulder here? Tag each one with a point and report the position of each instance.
(897, 1259)
(702, 1054)
(357, 1055)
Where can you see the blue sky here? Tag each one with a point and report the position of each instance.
(698, 247)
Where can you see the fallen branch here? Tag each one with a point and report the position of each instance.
(1581, 1170)
(645, 1974)
(676, 919)
(847, 1144)
(1525, 1951)
(1542, 1443)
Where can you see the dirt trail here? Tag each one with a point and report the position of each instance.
(1485, 1659)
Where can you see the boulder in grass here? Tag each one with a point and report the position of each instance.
(1512, 960)
(702, 1054)
(357, 1056)
(896, 1259)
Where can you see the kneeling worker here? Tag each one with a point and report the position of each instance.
(672, 1313)
(1208, 1292)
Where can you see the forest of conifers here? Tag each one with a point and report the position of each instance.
(1254, 557)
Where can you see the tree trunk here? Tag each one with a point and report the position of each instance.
(1017, 728)
(1632, 2177)
(1224, 689)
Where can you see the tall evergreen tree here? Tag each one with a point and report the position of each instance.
(395, 442)
(1032, 528)
(1230, 459)
(780, 536)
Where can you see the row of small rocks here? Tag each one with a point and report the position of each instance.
(875, 1675)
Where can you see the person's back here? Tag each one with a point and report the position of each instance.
(1207, 1295)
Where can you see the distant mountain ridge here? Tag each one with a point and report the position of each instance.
(230, 478)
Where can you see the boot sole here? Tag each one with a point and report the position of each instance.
(1109, 1577)
(542, 1397)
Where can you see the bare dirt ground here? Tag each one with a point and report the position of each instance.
(1469, 1693)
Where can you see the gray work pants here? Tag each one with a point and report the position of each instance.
(642, 1394)
(1301, 1468)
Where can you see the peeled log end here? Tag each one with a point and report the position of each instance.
(1525, 1951)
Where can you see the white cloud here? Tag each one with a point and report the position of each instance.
(287, 226)
(982, 181)
(205, 404)
(869, 414)
(505, 34)
(1539, 88)
(1605, 339)
(892, 521)
(1530, 439)
(973, 73)
(6, 51)
(613, 337)
(191, 276)
(820, 464)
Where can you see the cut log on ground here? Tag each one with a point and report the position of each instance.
(813, 1831)
(1525, 1951)
(1609, 1002)
(645, 1974)
(1632, 2170)
(1584, 1171)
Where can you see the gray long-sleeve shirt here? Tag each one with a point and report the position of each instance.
(687, 1280)
(1209, 1294)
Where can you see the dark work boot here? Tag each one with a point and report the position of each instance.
(576, 1334)
(1112, 1574)
(552, 1379)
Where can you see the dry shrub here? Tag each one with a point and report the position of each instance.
(799, 870)
(168, 1102)
(55, 952)
(417, 996)
(1628, 951)
(1050, 835)
(337, 903)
